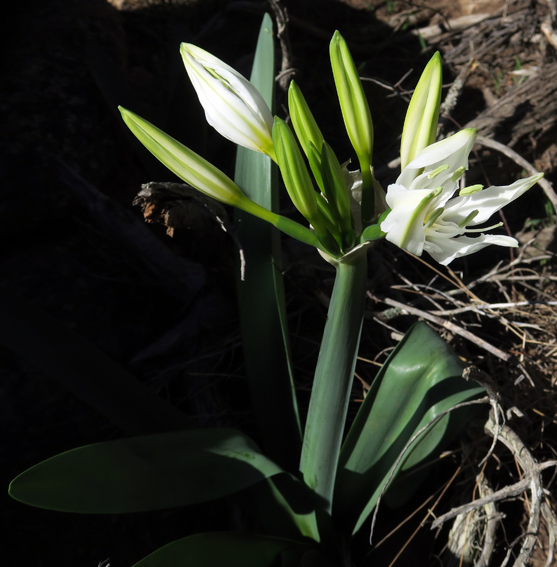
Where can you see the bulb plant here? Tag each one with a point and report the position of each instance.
(316, 495)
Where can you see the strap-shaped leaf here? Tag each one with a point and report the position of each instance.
(225, 550)
(420, 380)
(261, 291)
(145, 473)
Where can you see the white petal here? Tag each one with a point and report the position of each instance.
(445, 251)
(487, 202)
(404, 225)
(452, 151)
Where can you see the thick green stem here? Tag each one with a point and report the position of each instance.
(333, 379)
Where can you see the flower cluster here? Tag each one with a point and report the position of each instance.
(425, 209)
(426, 215)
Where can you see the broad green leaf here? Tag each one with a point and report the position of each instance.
(421, 379)
(145, 473)
(261, 291)
(225, 550)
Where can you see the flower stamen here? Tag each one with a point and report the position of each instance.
(470, 190)
(437, 171)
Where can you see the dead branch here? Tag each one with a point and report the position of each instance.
(446, 325)
(287, 70)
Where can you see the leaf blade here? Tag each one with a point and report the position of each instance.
(217, 549)
(261, 292)
(420, 379)
(150, 472)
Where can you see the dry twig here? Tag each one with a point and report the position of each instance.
(448, 325)
(287, 69)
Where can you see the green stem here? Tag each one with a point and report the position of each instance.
(333, 379)
(368, 192)
(284, 224)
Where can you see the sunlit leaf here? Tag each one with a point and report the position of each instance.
(421, 379)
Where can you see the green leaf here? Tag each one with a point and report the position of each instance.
(261, 291)
(145, 473)
(420, 380)
(224, 550)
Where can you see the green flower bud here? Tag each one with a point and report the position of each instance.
(185, 163)
(420, 125)
(302, 119)
(353, 103)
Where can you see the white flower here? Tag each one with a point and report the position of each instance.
(425, 215)
(233, 106)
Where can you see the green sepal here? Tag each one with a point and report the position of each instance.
(372, 232)
(314, 159)
(336, 191)
(294, 172)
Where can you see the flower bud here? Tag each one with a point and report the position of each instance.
(185, 163)
(422, 116)
(233, 106)
(353, 102)
(302, 119)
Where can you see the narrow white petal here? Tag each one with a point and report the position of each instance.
(460, 144)
(487, 201)
(452, 151)
(445, 251)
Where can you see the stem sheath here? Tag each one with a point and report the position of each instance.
(333, 378)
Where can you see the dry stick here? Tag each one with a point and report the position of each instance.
(491, 524)
(507, 492)
(488, 306)
(531, 470)
(551, 524)
(519, 160)
(286, 68)
(454, 25)
(446, 325)
(485, 380)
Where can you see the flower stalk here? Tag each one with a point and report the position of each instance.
(333, 378)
